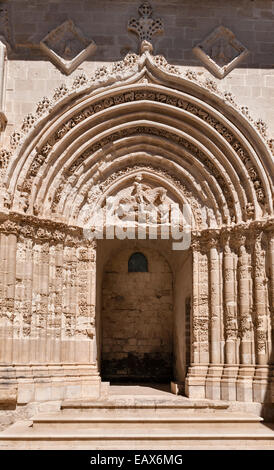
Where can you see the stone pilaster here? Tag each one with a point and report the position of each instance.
(196, 377)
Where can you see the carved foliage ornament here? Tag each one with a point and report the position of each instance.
(67, 47)
(151, 95)
(125, 67)
(220, 52)
(145, 27)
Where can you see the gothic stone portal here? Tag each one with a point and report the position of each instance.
(137, 317)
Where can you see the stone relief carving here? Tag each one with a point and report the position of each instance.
(15, 139)
(26, 227)
(119, 70)
(5, 156)
(161, 97)
(158, 195)
(189, 147)
(128, 63)
(43, 106)
(139, 196)
(67, 47)
(145, 27)
(220, 52)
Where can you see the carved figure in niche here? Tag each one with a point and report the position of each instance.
(142, 199)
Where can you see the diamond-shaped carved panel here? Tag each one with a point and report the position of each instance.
(67, 47)
(220, 52)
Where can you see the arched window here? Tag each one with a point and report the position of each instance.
(137, 263)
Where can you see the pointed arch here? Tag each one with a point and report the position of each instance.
(184, 128)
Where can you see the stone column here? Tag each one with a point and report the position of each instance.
(215, 368)
(261, 321)
(271, 260)
(7, 289)
(11, 241)
(271, 358)
(8, 382)
(246, 369)
(196, 376)
(230, 371)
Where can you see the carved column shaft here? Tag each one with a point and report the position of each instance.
(260, 311)
(11, 241)
(244, 304)
(196, 376)
(195, 314)
(230, 321)
(214, 302)
(58, 301)
(7, 303)
(271, 260)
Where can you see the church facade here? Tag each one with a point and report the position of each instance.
(136, 198)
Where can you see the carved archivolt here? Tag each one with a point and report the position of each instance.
(42, 174)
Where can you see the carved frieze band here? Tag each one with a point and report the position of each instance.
(43, 230)
(42, 155)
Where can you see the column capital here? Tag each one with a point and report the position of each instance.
(210, 239)
(238, 239)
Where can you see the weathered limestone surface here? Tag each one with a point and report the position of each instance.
(126, 123)
(137, 320)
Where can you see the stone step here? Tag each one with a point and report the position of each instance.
(144, 403)
(23, 436)
(61, 420)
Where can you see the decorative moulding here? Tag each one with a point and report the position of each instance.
(220, 52)
(122, 71)
(67, 47)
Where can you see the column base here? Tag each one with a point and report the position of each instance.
(41, 383)
(244, 383)
(262, 384)
(228, 382)
(213, 382)
(195, 381)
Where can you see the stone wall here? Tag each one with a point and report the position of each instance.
(137, 320)
(153, 131)
(32, 75)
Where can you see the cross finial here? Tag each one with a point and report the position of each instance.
(145, 27)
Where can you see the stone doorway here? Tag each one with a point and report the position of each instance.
(137, 317)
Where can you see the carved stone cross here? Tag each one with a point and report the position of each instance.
(145, 27)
